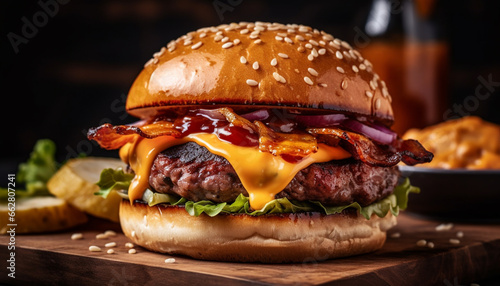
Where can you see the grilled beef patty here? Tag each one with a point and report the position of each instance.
(193, 172)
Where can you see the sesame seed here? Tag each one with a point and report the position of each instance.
(322, 43)
(282, 34)
(377, 103)
(422, 242)
(454, 241)
(460, 234)
(110, 244)
(335, 45)
(149, 62)
(252, 82)
(300, 38)
(243, 60)
(285, 56)
(369, 94)
(385, 92)
(396, 235)
(344, 84)
(312, 71)
(288, 40)
(197, 45)
(94, 248)
(219, 33)
(236, 42)
(203, 35)
(346, 45)
(227, 45)
(274, 62)
(110, 233)
(372, 85)
(170, 260)
(291, 31)
(278, 77)
(255, 65)
(278, 38)
(308, 80)
(101, 236)
(258, 41)
(301, 49)
(132, 251)
(323, 85)
(322, 51)
(346, 55)
(314, 52)
(340, 70)
(430, 244)
(155, 61)
(253, 36)
(129, 245)
(310, 57)
(314, 42)
(297, 70)
(338, 54)
(328, 37)
(362, 67)
(110, 251)
(218, 38)
(244, 31)
(389, 98)
(309, 46)
(76, 236)
(355, 68)
(444, 226)
(303, 29)
(187, 42)
(225, 39)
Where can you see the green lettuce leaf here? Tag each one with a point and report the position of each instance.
(118, 180)
(112, 179)
(36, 171)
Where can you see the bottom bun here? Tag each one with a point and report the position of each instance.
(279, 238)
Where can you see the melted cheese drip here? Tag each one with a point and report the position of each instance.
(262, 174)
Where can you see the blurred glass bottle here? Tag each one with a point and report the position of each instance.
(406, 42)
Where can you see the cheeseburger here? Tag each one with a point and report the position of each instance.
(259, 142)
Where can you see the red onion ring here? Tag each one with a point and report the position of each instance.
(261, 114)
(383, 137)
(320, 120)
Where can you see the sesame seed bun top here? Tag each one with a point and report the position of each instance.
(260, 64)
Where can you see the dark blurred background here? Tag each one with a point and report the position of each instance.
(68, 65)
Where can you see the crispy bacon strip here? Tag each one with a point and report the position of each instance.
(364, 149)
(113, 137)
(278, 143)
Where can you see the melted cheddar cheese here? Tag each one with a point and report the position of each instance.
(262, 174)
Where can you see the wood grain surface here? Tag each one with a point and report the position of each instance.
(56, 259)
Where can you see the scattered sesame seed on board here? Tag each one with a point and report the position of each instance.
(129, 245)
(308, 80)
(132, 251)
(76, 236)
(170, 260)
(110, 244)
(101, 236)
(422, 243)
(110, 251)
(94, 248)
(312, 71)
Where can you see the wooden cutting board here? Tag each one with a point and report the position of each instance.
(56, 259)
